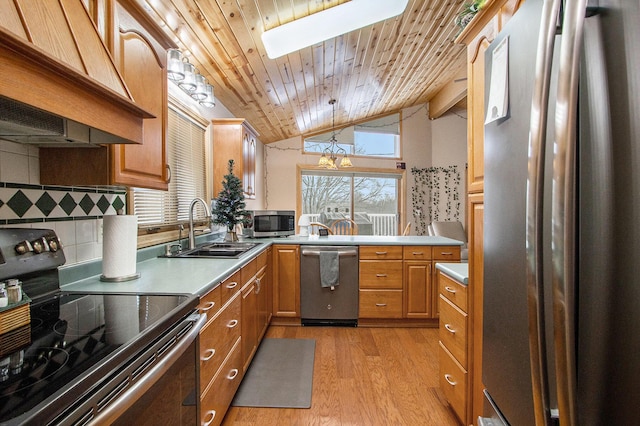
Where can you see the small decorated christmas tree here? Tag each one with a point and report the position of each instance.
(229, 210)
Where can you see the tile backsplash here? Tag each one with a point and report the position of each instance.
(75, 213)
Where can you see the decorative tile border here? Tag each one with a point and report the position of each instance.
(23, 203)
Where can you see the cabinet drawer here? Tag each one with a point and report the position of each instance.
(248, 271)
(451, 253)
(453, 290)
(216, 340)
(381, 252)
(210, 303)
(216, 400)
(229, 287)
(453, 330)
(416, 253)
(453, 382)
(380, 304)
(387, 274)
(262, 260)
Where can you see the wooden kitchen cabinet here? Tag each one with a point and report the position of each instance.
(453, 354)
(441, 254)
(234, 138)
(418, 297)
(220, 359)
(286, 281)
(381, 282)
(249, 322)
(138, 47)
(264, 292)
(421, 299)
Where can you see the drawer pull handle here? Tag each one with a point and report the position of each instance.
(450, 380)
(232, 323)
(232, 284)
(450, 329)
(211, 413)
(208, 306)
(232, 374)
(381, 305)
(450, 289)
(381, 253)
(381, 275)
(417, 253)
(446, 253)
(209, 353)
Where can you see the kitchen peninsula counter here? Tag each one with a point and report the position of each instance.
(199, 276)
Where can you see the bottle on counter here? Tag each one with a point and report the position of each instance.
(14, 290)
(4, 298)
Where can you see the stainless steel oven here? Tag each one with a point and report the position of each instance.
(90, 358)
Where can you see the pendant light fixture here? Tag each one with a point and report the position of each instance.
(331, 153)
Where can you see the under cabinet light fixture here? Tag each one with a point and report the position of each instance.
(186, 76)
(329, 23)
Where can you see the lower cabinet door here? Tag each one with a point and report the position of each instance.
(217, 398)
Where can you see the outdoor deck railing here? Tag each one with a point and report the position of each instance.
(381, 224)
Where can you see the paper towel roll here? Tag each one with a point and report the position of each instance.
(119, 244)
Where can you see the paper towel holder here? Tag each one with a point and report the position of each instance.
(120, 279)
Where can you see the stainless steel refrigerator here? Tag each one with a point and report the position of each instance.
(561, 314)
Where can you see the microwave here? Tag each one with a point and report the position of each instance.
(270, 223)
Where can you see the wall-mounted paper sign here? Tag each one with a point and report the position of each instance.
(499, 83)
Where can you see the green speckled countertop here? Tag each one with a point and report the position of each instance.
(198, 276)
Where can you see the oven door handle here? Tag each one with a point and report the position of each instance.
(129, 397)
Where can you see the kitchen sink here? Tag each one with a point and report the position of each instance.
(221, 250)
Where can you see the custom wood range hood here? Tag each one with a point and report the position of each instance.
(52, 58)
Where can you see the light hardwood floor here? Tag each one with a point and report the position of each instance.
(363, 376)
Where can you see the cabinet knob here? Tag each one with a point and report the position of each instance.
(450, 380)
(208, 306)
(208, 354)
(210, 413)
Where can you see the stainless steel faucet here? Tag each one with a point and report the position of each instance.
(192, 234)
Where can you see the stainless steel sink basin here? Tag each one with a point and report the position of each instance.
(222, 250)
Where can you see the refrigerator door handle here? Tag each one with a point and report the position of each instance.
(534, 211)
(563, 209)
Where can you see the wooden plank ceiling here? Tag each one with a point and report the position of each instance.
(394, 64)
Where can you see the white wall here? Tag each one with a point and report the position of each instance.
(449, 135)
(426, 143)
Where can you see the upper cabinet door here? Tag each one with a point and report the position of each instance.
(141, 59)
(234, 139)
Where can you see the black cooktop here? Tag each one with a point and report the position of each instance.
(74, 341)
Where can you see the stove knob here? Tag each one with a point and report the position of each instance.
(37, 247)
(53, 245)
(23, 247)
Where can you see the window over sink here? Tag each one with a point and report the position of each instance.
(186, 158)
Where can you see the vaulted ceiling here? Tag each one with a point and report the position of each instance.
(394, 64)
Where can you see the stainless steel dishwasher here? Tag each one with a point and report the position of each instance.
(323, 305)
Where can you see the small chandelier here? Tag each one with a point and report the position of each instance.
(330, 153)
(186, 76)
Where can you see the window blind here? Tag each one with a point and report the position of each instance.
(186, 157)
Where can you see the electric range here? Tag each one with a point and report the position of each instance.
(75, 343)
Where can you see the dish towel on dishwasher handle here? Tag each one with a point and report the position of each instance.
(329, 269)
